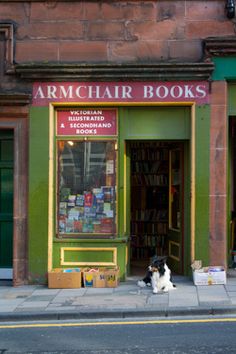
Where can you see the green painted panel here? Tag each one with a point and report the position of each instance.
(155, 122)
(6, 244)
(225, 68)
(38, 193)
(232, 99)
(6, 198)
(202, 183)
(187, 173)
(95, 256)
(90, 256)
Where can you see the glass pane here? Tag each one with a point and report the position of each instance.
(86, 187)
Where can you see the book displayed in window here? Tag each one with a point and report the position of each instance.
(86, 187)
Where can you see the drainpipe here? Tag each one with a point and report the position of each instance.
(230, 8)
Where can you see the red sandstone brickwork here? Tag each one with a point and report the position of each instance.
(114, 31)
(130, 31)
(218, 173)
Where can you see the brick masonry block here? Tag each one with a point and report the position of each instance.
(219, 93)
(189, 50)
(218, 248)
(203, 29)
(56, 11)
(138, 51)
(106, 30)
(205, 10)
(14, 11)
(173, 10)
(218, 127)
(82, 51)
(49, 30)
(141, 11)
(156, 30)
(34, 50)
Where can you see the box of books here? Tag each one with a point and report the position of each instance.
(212, 275)
(101, 277)
(69, 278)
(94, 278)
(112, 277)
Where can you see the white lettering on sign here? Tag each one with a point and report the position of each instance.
(87, 121)
(176, 91)
(97, 92)
(197, 91)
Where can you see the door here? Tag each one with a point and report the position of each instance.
(6, 203)
(176, 210)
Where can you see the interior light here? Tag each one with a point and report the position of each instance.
(71, 143)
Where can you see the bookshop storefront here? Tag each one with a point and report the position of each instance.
(122, 176)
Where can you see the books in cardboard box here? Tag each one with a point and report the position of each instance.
(101, 277)
(212, 275)
(69, 278)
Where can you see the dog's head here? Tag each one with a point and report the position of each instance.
(158, 265)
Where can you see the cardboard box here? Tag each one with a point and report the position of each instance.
(64, 278)
(213, 275)
(101, 277)
(112, 277)
(94, 278)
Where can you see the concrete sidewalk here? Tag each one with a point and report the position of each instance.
(34, 302)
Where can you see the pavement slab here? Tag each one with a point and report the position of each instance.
(127, 299)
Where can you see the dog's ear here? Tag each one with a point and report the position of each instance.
(162, 259)
(154, 259)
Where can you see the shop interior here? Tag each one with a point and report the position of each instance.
(156, 199)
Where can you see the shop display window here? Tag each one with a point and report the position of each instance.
(86, 188)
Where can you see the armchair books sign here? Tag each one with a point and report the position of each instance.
(123, 92)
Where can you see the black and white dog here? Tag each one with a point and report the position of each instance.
(158, 276)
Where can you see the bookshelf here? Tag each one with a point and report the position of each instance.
(149, 199)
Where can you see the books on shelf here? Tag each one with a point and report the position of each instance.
(150, 179)
(140, 228)
(150, 215)
(150, 194)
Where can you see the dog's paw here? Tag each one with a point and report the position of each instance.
(141, 283)
(155, 291)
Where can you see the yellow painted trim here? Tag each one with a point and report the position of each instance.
(108, 104)
(193, 184)
(50, 187)
(125, 190)
(171, 255)
(170, 175)
(87, 249)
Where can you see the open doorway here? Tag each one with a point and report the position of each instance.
(157, 203)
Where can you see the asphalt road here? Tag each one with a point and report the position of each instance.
(136, 337)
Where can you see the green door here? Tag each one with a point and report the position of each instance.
(6, 203)
(176, 210)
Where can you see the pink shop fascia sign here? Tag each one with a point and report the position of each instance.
(120, 92)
